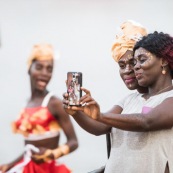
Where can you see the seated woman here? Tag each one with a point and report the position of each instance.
(41, 121)
(142, 134)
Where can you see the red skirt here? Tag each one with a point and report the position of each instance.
(47, 167)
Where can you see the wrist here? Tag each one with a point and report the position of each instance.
(61, 151)
(75, 113)
(101, 118)
(65, 149)
(48, 155)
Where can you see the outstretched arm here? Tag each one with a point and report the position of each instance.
(91, 126)
(160, 117)
(86, 122)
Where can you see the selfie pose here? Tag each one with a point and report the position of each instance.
(41, 121)
(142, 134)
(122, 52)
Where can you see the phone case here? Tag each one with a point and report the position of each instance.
(74, 82)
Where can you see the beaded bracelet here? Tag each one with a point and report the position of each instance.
(60, 151)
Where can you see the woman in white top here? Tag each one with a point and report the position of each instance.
(122, 52)
(142, 137)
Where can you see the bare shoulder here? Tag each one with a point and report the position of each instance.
(165, 106)
(55, 100)
(168, 100)
(56, 106)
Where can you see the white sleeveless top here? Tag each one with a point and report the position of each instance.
(141, 152)
(46, 99)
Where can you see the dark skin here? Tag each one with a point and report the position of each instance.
(126, 64)
(148, 71)
(40, 74)
(157, 119)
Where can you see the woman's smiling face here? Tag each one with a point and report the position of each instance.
(41, 73)
(147, 67)
(126, 69)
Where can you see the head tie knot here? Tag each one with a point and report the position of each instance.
(131, 32)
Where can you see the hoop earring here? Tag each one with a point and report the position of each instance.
(163, 70)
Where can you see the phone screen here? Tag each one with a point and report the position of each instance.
(74, 83)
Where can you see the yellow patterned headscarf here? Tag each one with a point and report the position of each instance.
(41, 52)
(131, 33)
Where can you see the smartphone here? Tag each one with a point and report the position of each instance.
(74, 83)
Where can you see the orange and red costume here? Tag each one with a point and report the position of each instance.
(35, 124)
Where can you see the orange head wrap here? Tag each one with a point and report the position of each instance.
(131, 33)
(41, 52)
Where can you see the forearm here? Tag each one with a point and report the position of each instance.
(72, 145)
(61, 151)
(12, 163)
(18, 158)
(90, 125)
(129, 122)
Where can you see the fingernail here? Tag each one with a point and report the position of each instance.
(84, 104)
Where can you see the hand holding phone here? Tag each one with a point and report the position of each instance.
(74, 84)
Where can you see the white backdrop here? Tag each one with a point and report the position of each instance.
(82, 32)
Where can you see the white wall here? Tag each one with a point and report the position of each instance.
(82, 31)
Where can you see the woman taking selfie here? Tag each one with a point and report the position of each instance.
(142, 134)
(122, 52)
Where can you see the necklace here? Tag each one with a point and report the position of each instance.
(147, 96)
(170, 86)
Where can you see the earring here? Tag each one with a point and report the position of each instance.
(163, 70)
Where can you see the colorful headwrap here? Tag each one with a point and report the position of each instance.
(131, 33)
(41, 52)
